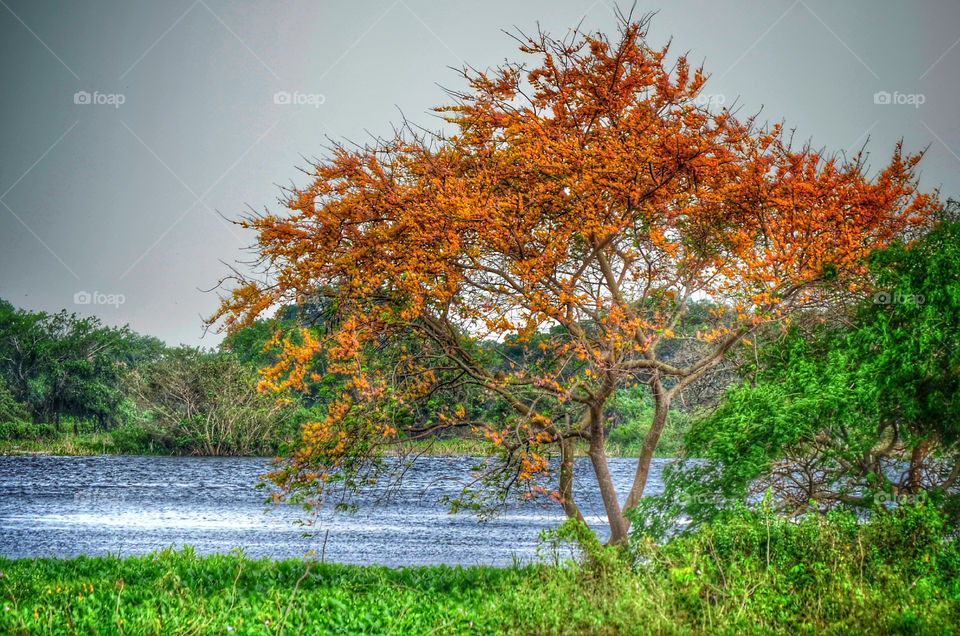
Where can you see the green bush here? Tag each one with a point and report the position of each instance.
(632, 413)
(79, 425)
(10, 409)
(128, 413)
(832, 573)
(134, 439)
(25, 430)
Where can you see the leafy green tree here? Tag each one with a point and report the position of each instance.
(248, 343)
(846, 416)
(62, 364)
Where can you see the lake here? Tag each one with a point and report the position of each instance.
(128, 505)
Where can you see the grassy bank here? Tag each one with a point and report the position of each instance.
(751, 575)
(83, 444)
(104, 444)
(93, 443)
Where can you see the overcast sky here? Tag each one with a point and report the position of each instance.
(126, 126)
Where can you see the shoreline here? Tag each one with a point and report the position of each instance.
(100, 444)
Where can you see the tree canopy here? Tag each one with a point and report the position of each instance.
(577, 203)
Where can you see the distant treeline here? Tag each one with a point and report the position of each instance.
(64, 376)
(117, 390)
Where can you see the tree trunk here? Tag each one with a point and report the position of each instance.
(661, 408)
(917, 456)
(598, 457)
(567, 450)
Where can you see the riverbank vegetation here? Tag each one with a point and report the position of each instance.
(753, 573)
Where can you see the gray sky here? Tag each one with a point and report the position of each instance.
(121, 198)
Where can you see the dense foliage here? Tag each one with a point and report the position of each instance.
(65, 365)
(70, 384)
(187, 401)
(859, 412)
(10, 409)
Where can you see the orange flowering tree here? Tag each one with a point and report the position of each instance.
(574, 206)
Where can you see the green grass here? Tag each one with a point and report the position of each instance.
(76, 437)
(63, 444)
(453, 446)
(179, 593)
(103, 444)
(23, 438)
(85, 443)
(753, 575)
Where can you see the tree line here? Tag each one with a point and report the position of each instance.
(63, 374)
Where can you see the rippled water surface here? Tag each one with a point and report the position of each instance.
(68, 506)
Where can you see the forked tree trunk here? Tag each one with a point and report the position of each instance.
(619, 524)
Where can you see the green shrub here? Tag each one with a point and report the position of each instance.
(134, 439)
(26, 430)
(10, 409)
(632, 413)
(833, 573)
